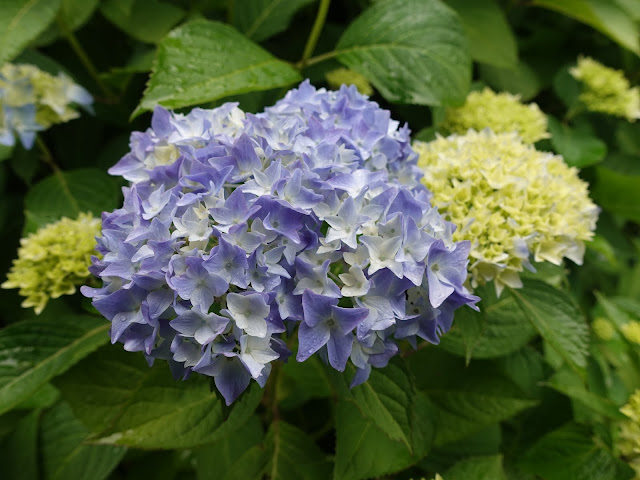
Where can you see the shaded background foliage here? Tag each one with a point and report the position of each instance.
(523, 390)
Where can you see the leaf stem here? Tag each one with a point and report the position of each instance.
(84, 57)
(317, 59)
(312, 41)
(47, 156)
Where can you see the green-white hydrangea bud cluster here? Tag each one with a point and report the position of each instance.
(510, 200)
(32, 100)
(501, 112)
(606, 90)
(54, 260)
(629, 437)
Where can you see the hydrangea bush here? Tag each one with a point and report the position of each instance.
(345, 240)
(237, 229)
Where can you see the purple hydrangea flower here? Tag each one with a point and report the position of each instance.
(238, 230)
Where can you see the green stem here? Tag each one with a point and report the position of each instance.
(317, 59)
(312, 41)
(47, 156)
(572, 113)
(84, 57)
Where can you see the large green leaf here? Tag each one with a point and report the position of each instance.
(34, 351)
(568, 383)
(557, 319)
(70, 193)
(618, 192)
(19, 450)
(203, 61)
(522, 79)
(239, 455)
(467, 399)
(477, 468)
(261, 19)
(413, 51)
(365, 451)
(490, 37)
(302, 381)
(571, 453)
(124, 402)
(65, 455)
(293, 455)
(604, 15)
(498, 329)
(145, 20)
(389, 399)
(21, 21)
(578, 145)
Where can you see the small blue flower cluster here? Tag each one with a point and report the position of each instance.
(239, 228)
(32, 100)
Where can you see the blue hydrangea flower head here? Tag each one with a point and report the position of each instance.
(238, 230)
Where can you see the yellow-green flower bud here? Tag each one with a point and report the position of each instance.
(603, 328)
(606, 90)
(501, 112)
(340, 76)
(629, 437)
(509, 200)
(54, 260)
(631, 331)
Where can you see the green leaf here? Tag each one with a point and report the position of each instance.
(604, 15)
(477, 468)
(19, 450)
(570, 453)
(21, 21)
(557, 319)
(125, 402)
(522, 79)
(579, 145)
(72, 14)
(261, 19)
(44, 397)
(490, 37)
(236, 456)
(525, 368)
(387, 399)
(302, 381)
(70, 193)
(365, 451)
(293, 455)
(498, 329)
(568, 383)
(203, 61)
(618, 192)
(64, 453)
(34, 351)
(467, 399)
(413, 51)
(145, 20)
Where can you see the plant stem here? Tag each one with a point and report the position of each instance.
(47, 156)
(84, 58)
(317, 59)
(312, 41)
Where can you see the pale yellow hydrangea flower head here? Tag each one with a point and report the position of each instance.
(54, 260)
(501, 112)
(340, 76)
(510, 200)
(606, 90)
(629, 438)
